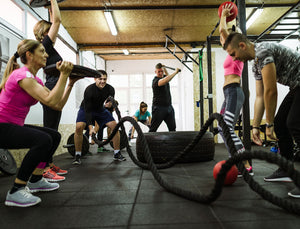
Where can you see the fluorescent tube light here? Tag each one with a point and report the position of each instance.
(110, 22)
(125, 51)
(253, 17)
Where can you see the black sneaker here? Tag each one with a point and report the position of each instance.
(119, 157)
(278, 175)
(295, 193)
(77, 160)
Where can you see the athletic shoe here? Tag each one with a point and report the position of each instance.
(77, 160)
(58, 170)
(278, 175)
(119, 157)
(50, 175)
(42, 186)
(102, 149)
(295, 193)
(21, 198)
(250, 171)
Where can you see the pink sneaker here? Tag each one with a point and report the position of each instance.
(50, 175)
(58, 170)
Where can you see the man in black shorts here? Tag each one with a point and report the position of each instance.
(162, 109)
(92, 110)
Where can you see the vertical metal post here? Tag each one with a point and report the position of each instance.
(246, 113)
(209, 79)
(201, 101)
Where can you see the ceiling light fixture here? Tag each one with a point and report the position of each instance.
(110, 22)
(253, 17)
(125, 51)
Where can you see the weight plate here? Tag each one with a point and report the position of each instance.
(85, 145)
(41, 3)
(8, 164)
(78, 71)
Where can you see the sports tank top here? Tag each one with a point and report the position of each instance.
(232, 67)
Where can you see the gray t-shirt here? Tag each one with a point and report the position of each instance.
(287, 63)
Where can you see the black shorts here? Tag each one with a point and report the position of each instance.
(102, 117)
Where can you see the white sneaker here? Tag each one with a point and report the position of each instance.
(42, 186)
(21, 198)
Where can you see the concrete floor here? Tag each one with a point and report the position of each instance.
(101, 193)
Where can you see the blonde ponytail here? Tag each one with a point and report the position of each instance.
(12, 64)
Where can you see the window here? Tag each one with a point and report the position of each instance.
(65, 52)
(31, 21)
(12, 13)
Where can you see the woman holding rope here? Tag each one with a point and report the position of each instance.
(20, 89)
(233, 93)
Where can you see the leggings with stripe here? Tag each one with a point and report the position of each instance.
(41, 141)
(231, 108)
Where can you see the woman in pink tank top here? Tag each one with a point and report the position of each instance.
(233, 93)
(19, 90)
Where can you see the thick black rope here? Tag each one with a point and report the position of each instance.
(236, 159)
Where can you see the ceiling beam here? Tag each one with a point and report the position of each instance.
(136, 45)
(176, 7)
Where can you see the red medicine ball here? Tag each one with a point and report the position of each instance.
(231, 175)
(234, 11)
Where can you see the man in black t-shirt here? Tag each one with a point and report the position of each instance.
(92, 110)
(162, 109)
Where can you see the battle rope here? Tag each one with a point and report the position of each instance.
(236, 159)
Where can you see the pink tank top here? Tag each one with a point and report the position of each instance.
(232, 67)
(14, 101)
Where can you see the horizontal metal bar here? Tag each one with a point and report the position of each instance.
(138, 53)
(165, 7)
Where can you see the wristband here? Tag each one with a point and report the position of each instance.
(255, 127)
(269, 125)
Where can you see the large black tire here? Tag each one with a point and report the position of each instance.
(85, 145)
(123, 140)
(164, 146)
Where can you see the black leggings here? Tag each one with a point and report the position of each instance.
(51, 120)
(287, 123)
(42, 143)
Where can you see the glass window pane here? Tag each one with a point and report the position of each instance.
(149, 78)
(174, 82)
(31, 21)
(133, 108)
(176, 110)
(121, 95)
(175, 94)
(12, 13)
(136, 95)
(118, 80)
(136, 80)
(149, 96)
(65, 52)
